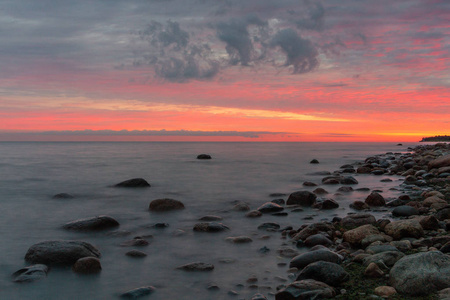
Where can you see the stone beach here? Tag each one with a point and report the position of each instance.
(356, 256)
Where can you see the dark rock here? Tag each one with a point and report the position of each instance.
(395, 203)
(87, 265)
(359, 205)
(375, 249)
(429, 223)
(210, 227)
(348, 180)
(306, 289)
(421, 274)
(253, 214)
(239, 239)
(387, 258)
(404, 228)
(63, 196)
(203, 156)
(404, 211)
(241, 206)
(312, 229)
(304, 259)
(135, 242)
(443, 161)
(270, 207)
(356, 220)
(303, 198)
(375, 199)
(331, 180)
(363, 170)
(278, 201)
(445, 248)
(133, 183)
(60, 252)
(377, 172)
(31, 273)
(165, 205)
(269, 226)
(309, 183)
(386, 180)
(210, 218)
(136, 253)
(280, 214)
(138, 292)
(320, 191)
(318, 239)
(258, 297)
(443, 214)
(197, 266)
(314, 161)
(264, 250)
(327, 272)
(329, 204)
(345, 189)
(95, 223)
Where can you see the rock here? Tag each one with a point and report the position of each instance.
(345, 189)
(197, 266)
(356, 220)
(368, 240)
(210, 218)
(165, 205)
(404, 228)
(375, 249)
(443, 214)
(429, 223)
(363, 170)
(60, 252)
(87, 265)
(348, 180)
(314, 161)
(278, 201)
(210, 227)
(63, 196)
(303, 198)
(318, 239)
(359, 205)
(387, 258)
(320, 191)
(95, 223)
(375, 199)
(373, 271)
(253, 214)
(403, 245)
(421, 274)
(405, 211)
(385, 291)
(203, 156)
(241, 206)
(269, 226)
(135, 242)
(133, 183)
(304, 259)
(258, 297)
(138, 292)
(327, 272)
(443, 161)
(314, 229)
(434, 202)
(355, 236)
(305, 289)
(135, 253)
(328, 204)
(31, 273)
(331, 180)
(270, 207)
(285, 251)
(239, 239)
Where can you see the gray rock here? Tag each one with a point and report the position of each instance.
(210, 227)
(165, 204)
(239, 239)
(374, 249)
(197, 267)
(348, 180)
(135, 253)
(304, 259)
(356, 220)
(87, 265)
(95, 223)
(405, 211)
(305, 289)
(375, 199)
(303, 198)
(138, 292)
(269, 226)
(133, 183)
(318, 239)
(270, 207)
(31, 273)
(421, 274)
(60, 252)
(387, 258)
(63, 196)
(327, 272)
(210, 218)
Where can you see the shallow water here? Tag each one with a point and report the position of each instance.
(32, 172)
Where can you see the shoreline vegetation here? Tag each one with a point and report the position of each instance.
(353, 257)
(437, 138)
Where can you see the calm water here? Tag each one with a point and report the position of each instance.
(31, 173)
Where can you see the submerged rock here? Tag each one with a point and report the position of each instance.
(304, 259)
(63, 196)
(203, 156)
(95, 223)
(138, 292)
(210, 227)
(303, 198)
(60, 252)
(270, 207)
(327, 272)
(165, 204)
(87, 265)
(133, 183)
(31, 273)
(306, 289)
(197, 266)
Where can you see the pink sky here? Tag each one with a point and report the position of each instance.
(253, 71)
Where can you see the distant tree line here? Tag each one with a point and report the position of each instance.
(437, 138)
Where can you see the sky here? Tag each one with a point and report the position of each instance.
(224, 70)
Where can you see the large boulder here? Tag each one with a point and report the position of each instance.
(404, 228)
(31, 273)
(443, 161)
(327, 272)
(323, 254)
(303, 198)
(355, 236)
(165, 204)
(60, 252)
(306, 289)
(133, 183)
(95, 223)
(421, 274)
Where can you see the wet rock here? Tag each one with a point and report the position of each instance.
(318, 239)
(429, 223)
(303, 198)
(210, 218)
(31, 273)
(312, 229)
(375, 249)
(314, 161)
(421, 274)
(363, 170)
(136, 253)
(306, 289)
(355, 236)
(443, 214)
(269, 226)
(241, 206)
(253, 214)
(270, 207)
(404, 228)
(320, 191)
(327, 272)
(210, 227)
(405, 211)
(165, 204)
(443, 161)
(345, 189)
(133, 183)
(60, 252)
(348, 180)
(239, 239)
(375, 199)
(87, 265)
(203, 156)
(95, 223)
(258, 297)
(285, 251)
(384, 291)
(197, 266)
(356, 220)
(329, 204)
(63, 196)
(359, 205)
(278, 201)
(135, 242)
(138, 292)
(387, 258)
(330, 180)
(304, 259)
(309, 183)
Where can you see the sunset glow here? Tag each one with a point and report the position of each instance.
(248, 71)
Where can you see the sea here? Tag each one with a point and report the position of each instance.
(251, 172)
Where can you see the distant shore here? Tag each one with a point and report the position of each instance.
(438, 138)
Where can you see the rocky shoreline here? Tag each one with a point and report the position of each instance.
(353, 257)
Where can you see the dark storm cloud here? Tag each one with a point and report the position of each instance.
(300, 53)
(314, 17)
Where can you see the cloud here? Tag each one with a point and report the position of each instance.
(300, 53)
(314, 18)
